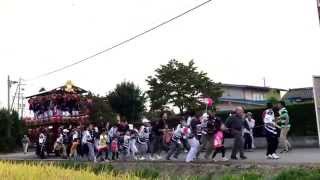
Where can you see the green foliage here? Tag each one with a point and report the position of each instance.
(302, 119)
(10, 139)
(272, 100)
(128, 101)
(101, 111)
(298, 174)
(273, 96)
(147, 173)
(180, 85)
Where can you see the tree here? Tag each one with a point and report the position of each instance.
(180, 85)
(128, 101)
(100, 111)
(273, 96)
(11, 120)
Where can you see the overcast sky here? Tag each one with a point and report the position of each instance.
(235, 41)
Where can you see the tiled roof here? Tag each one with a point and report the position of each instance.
(299, 93)
(251, 87)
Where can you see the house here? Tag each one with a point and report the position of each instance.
(299, 95)
(246, 95)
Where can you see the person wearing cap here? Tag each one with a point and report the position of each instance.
(147, 128)
(88, 141)
(75, 143)
(142, 142)
(66, 141)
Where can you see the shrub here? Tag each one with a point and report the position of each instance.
(298, 174)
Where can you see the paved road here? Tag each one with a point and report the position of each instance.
(297, 156)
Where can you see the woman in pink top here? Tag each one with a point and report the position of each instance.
(218, 143)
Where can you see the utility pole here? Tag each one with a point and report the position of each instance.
(22, 108)
(10, 82)
(19, 94)
(9, 86)
(318, 5)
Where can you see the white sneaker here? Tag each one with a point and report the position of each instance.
(275, 156)
(158, 157)
(269, 156)
(224, 159)
(215, 160)
(152, 159)
(142, 159)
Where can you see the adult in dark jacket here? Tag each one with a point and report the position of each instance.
(235, 123)
(157, 131)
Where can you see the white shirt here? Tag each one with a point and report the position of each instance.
(251, 125)
(60, 139)
(75, 135)
(269, 117)
(86, 136)
(189, 121)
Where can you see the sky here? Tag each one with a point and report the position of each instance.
(233, 41)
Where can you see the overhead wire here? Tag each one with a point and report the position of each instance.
(120, 43)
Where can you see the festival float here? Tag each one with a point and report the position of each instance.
(65, 105)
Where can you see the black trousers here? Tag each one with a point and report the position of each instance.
(272, 143)
(217, 150)
(247, 141)
(185, 144)
(237, 144)
(115, 155)
(156, 145)
(175, 149)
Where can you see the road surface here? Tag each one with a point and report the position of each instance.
(297, 156)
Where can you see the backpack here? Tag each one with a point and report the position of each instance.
(218, 139)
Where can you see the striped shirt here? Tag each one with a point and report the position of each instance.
(269, 122)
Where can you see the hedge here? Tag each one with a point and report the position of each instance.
(302, 119)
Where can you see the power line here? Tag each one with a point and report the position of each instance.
(121, 43)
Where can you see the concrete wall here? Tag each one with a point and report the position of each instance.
(307, 141)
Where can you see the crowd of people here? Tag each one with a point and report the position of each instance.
(195, 133)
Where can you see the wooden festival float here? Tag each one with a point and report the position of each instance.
(65, 105)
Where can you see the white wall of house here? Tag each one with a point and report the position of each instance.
(240, 93)
(233, 93)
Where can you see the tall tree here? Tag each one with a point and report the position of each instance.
(11, 119)
(101, 111)
(180, 85)
(128, 101)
